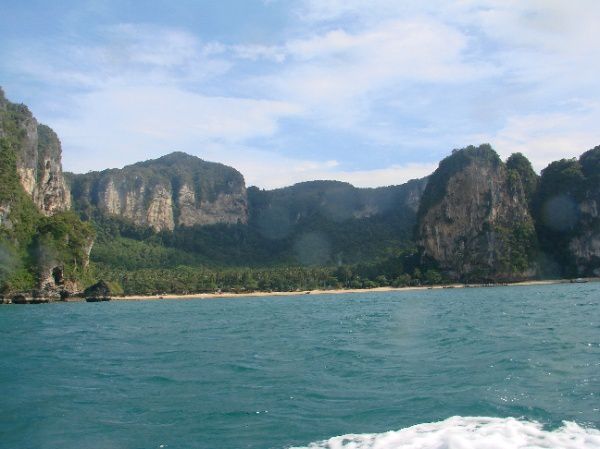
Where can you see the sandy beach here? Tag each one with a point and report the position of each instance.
(334, 292)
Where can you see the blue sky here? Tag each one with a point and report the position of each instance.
(374, 93)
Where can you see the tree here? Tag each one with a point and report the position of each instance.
(433, 277)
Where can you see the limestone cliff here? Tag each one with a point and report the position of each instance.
(38, 157)
(473, 221)
(567, 209)
(43, 246)
(174, 190)
(51, 192)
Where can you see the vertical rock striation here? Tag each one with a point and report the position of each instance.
(174, 190)
(51, 193)
(42, 245)
(38, 158)
(473, 221)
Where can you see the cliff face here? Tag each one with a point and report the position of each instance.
(174, 190)
(38, 158)
(585, 244)
(474, 220)
(331, 222)
(42, 245)
(567, 215)
(334, 200)
(51, 193)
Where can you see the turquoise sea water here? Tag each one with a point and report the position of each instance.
(278, 372)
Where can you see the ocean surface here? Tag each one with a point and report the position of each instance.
(506, 367)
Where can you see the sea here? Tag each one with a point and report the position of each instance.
(494, 368)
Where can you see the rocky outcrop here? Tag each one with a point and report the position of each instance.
(143, 204)
(225, 208)
(567, 209)
(38, 157)
(474, 221)
(585, 244)
(51, 193)
(98, 292)
(586, 249)
(174, 190)
(44, 248)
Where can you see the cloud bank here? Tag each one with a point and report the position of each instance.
(371, 93)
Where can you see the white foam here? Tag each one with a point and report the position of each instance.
(471, 433)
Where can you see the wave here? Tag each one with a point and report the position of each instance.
(471, 433)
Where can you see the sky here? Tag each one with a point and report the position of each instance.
(370, 92)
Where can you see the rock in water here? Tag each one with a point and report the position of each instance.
(97, 292)
(19, 299)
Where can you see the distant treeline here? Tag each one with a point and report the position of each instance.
(397, 271)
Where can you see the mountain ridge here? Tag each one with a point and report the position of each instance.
(476, 218)
(175, 189)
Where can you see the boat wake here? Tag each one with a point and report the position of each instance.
(471, 433)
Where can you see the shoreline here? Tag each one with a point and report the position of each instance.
(260, 294)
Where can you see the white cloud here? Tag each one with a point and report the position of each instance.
(330, 10)
(393, 175)
(337, 75)
(264, 169)
(143, 92)
(268, 170)
(544, 138)
(140, 44)
(403, 75)
(256, 52)
(549, 44)
(128, 54)
(137, 122)
(535, 41)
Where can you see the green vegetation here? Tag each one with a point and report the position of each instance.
(240, 258)
(308, 225)
(313, 235)
(208, 179)
(396, 271)
(319, 234)
(564, 186)
(521, 238)
(487, 241)
(30, 243)
(590, 167)
(300, 225)
(64, 238)
(314, 240)
(459, 159)
(556, 215)
(19, 214)
(521, 247)
(518, 164)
